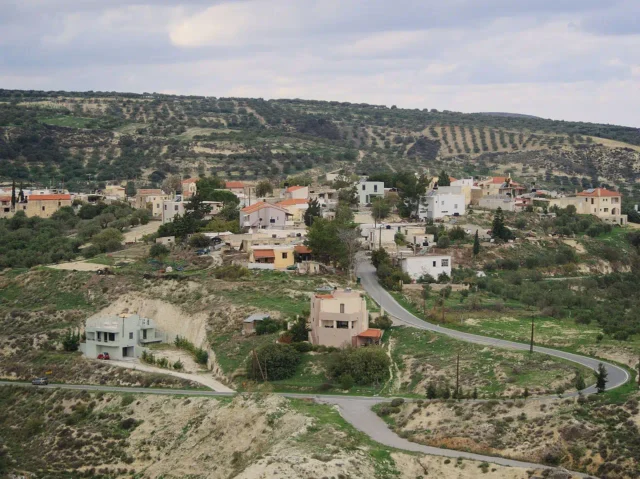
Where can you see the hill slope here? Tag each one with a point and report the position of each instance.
(92, 137)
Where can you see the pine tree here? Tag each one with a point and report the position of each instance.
(476, 244)
(13, 195)
(475, 393)
(443, 179)
(579, 383)
(312, 212)
(601, 378)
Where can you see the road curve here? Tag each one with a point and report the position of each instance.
(617, 376)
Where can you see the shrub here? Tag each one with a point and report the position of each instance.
(231, 272)
(201, 356)
(381, 322)
(158, 250)
(443, 242)
(273, 362)
(397, 402)
(303, 347)
(269, 326)
(443, 278)
(456, 233)
(346, 381)
(367, 366)
(199, 240)
(178, 365)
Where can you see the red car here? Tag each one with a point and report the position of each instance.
(103, 356)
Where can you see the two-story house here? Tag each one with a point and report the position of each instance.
(297, 193)
(122, 336)
(435, 205)
(369, 190)
(340, 319)
(432, 264)
(264, 215)
(189, 187)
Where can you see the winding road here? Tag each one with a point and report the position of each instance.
(357, 410)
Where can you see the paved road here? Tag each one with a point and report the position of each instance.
(617, 375)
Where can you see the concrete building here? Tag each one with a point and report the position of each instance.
(600, 202)
(500, 185)
(177, 206)
(151, 199)
(277, 256)
(115, 191)
(493, 202)
(434, 205)
(297, 193)
(297, 208)
(369, 190)
(434, 265)
(43, 206)
(340, 319)
(189, 187)
(122, 336)
(264, 215)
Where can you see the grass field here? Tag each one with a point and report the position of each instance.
(68, 121)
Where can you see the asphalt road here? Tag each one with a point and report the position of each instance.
(617, 376)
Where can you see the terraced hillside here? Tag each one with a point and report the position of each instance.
(84, 139)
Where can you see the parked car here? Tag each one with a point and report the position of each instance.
(103, 356)
(40, 381)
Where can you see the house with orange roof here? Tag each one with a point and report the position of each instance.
(501, 186)
(297, 193)
(296, 206)
(189, 187)
(600, 202)
(264, 215)
(44, 206)
(272, 256)
(235, 187)
(341, 319)
(5, 206)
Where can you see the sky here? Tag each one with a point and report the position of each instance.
(562, 59)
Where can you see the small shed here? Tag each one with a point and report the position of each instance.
(248, 325)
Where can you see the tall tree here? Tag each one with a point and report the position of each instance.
(498, 228)
(312, 212)
(601, 378)
(380, 209)
(13, 195)
(344, 215)
(476, 244)
(411, 189)
(207, 186)
(443, 179)
(348, 196)
(130, 189)
(264, 188)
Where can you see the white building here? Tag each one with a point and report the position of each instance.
(434, 265)
(297, 193)
(493, 202)
(435, 205)
(175, 207)
(122, 336)
(369, 190)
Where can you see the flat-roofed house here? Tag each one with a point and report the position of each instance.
(122, 336)
(264, 215)
(340, 319)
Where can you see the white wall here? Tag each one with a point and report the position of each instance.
(416, 266)
(439, 206)
(367, 190)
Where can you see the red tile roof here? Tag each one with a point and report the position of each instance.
(599, 192)
(294, 188)
(5, 198)
(292, 201)
(234, 184)
(258, 206)
(302, 249)
(263, 253)
(324, 296)
(49, 197)
(371, 333)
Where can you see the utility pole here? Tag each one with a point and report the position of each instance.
(458, 377)
(531, 346)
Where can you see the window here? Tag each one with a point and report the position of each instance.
(327, 324)
(165, 207)
(130, 335)
(606, 210)
(112, 336)
(284, 255)
(455, 207)
(99, 336)
(445, 263)
(591, 200)
(342, 324)
(341, 308)
(272, 220)
(144, 334)
(434, 264)
(43, 208)
(175, 207)
(375, 188)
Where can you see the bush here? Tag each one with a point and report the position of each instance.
(456, 233)
(201, 356)
(231, 272)
(426, 278)
(444, 242)
(269, 326)
(273, 362)
(199, 240)
(346, 382)
(178, 365)
(443, 278)
(397, 402)
(303, 347)
(367, 366)
(381, 322)
(158, 250)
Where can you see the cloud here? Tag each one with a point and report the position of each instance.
(567, 59)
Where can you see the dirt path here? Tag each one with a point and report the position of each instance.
(136, 233)
(77, 266)
(203, 379)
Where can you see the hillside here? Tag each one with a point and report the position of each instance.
(87, 138)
